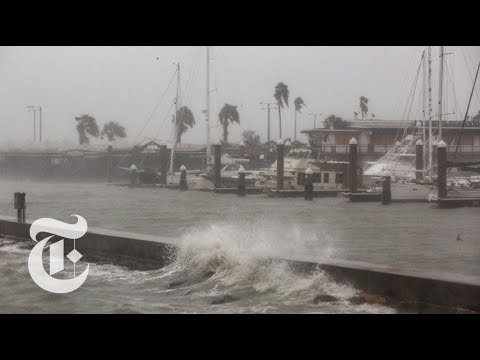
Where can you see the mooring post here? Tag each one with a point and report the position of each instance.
(434, 154)
(133, 175)
(353, 144)
(288, 146)
(419, 160)
(280, 163)
(109, 163)
(163, 164)
(387, 190)
(217, 150)
(241, 191)
(241, 149)
(183, 178)
(19, 205)
(442, 169)
(309, 184)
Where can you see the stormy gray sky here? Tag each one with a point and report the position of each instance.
(125, 84)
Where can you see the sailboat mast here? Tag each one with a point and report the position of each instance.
(429, 76)
(208, 104)
(440, 96)
(175, 122)
(424, 103)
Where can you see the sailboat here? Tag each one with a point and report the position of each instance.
(399, 162)
(230, 166)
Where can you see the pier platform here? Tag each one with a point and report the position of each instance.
(460, 198)
(377, 197)
(301, 193)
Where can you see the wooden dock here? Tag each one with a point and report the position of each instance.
(301, 193)
(460, 198)
(377, 197)
(365, 197)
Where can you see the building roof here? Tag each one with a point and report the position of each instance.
(391, 124)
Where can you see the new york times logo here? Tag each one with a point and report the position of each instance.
(35, 260)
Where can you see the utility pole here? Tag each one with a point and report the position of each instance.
(40, 130)
(270, 106)
(175, 121)
(208, 105)
(315, 119)
(36, 108)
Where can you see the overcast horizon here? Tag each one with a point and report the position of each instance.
(125, 84)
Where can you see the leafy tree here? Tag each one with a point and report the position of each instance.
(364, 106)
(299, 105)
(477, 117)
(184, 121)
(228, 115)
(250, 138)
(281, 95)
(113, 130)
(334, 122)
(86, 125)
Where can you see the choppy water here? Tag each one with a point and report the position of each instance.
(221, 238)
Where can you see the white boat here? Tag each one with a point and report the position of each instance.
(327, 175)
(229, 175)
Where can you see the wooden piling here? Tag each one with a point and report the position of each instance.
(434, 154)
(163, 164)
(387, 190)
(217, 151)
(133, 175)
(241, 182)
(183, 178)
(241, 149)
(309, 184)
(280, 163)
(419, 160)
(353, 156)
(442, 169)
(19, 205)
(109, 163)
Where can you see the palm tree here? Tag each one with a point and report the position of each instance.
(86, 125)
(299, 104)
(281, 95)
(363, 106)
(113, 130)
(334, 122)
(184, 121)
(228, 115)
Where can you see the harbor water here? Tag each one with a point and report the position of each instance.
(221, 239)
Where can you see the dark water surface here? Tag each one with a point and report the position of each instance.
(221, 236)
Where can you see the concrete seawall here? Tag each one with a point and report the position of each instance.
(415, 290)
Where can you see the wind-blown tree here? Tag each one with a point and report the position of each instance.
(228, 115)
(299, 104)
(334, 122)
(363, 106)
(86, 125)
(113, 130)
(477, 117)
(184, 121)
(251, 138)
(281, 95)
